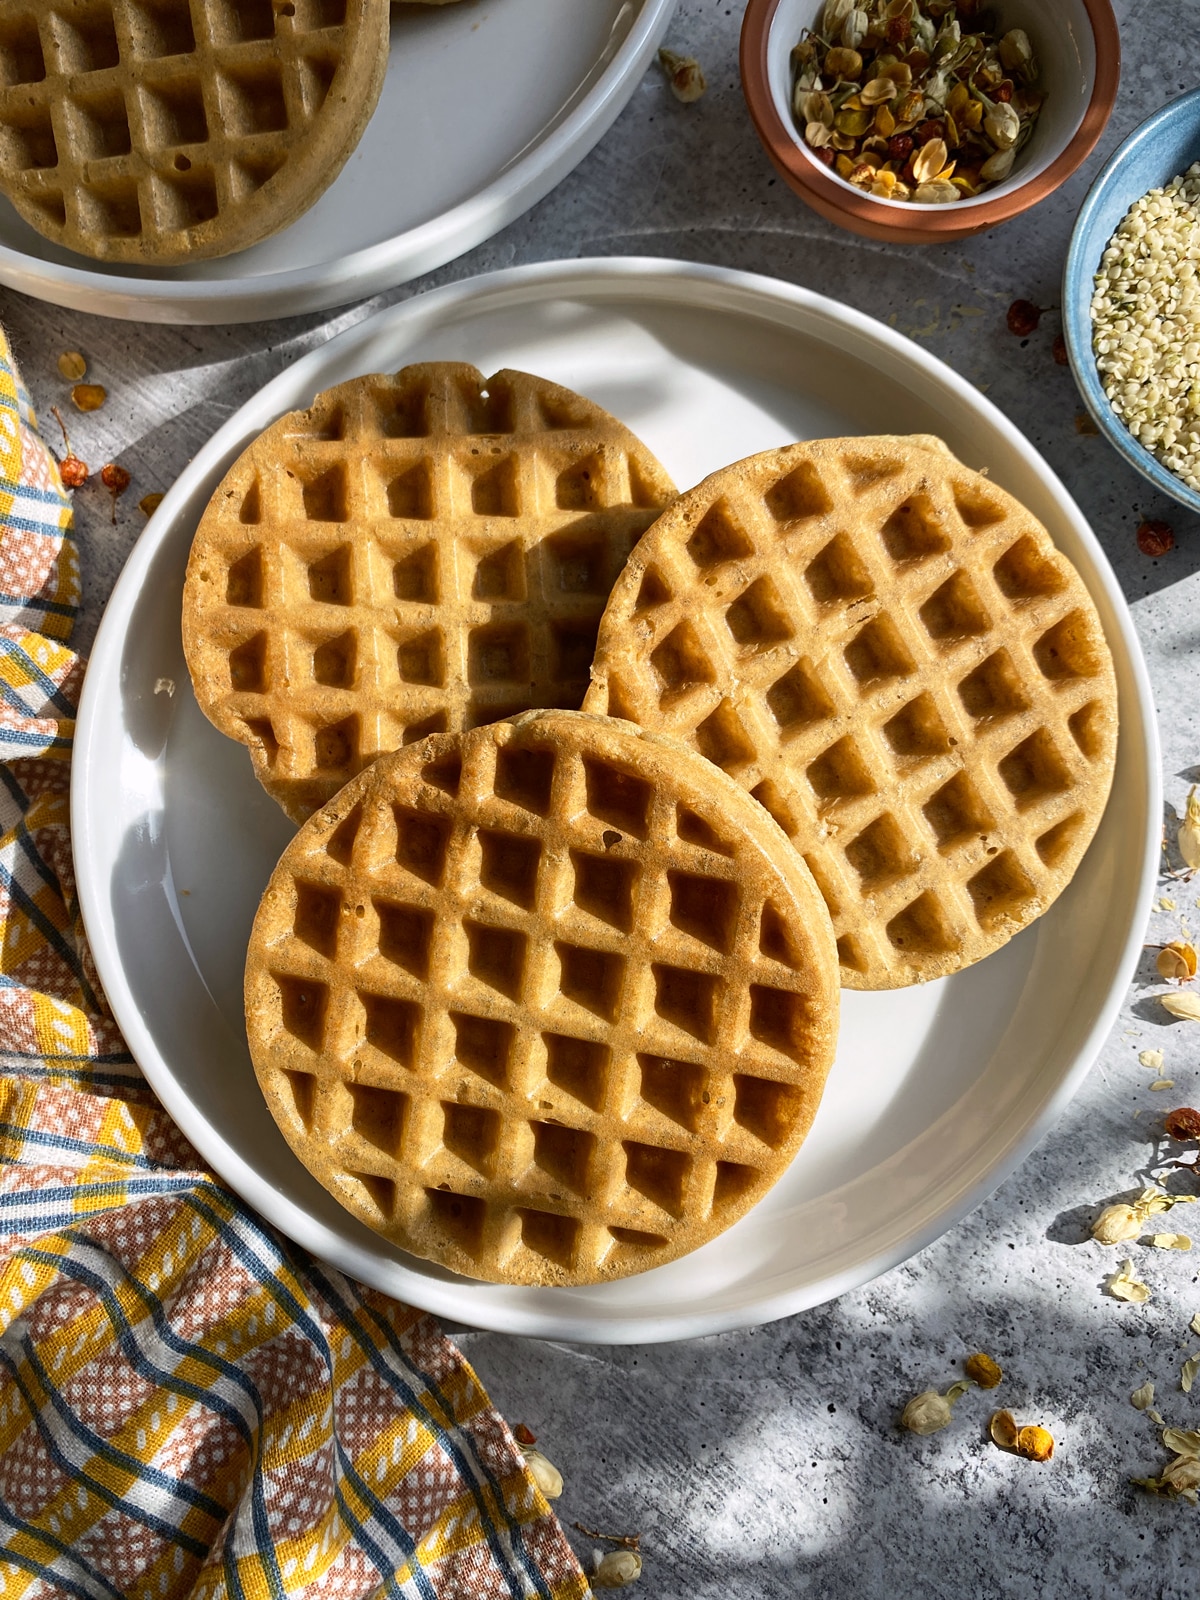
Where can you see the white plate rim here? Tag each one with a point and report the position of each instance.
(383, 266)
(661, 280)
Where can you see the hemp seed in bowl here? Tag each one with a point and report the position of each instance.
(1146, 323)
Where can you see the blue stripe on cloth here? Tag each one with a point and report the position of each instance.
(34, 741)
(100, 1585)
(19, 797)
(51, 690)
(470, 1471)
(66, 952)
(35, 602)
(71, 1470)
(70, 1146)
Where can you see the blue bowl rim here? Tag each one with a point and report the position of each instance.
(1083, 361)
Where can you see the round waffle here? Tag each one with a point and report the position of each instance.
(415, 554)
(887, 651)
(162, 131)
(547, 1002)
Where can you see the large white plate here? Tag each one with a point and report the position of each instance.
(938, 1091)
(487, 105)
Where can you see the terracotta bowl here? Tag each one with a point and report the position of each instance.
(1079, 51)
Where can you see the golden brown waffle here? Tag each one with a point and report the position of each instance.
(887, 651)
(415, 554)
(163, 131)
(547, 1002)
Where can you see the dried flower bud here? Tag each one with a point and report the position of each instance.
(72, 366)
(1003, 1428)
(1117, 1224)
(998, 167)
(1183, 1475)
(834, 16)
(616, 1569)
(878, 90)
(544, 1473)
(855, 28)
(1185, 1005)
(1035, 1444)
(1023, 317)
(1155, 538)
(1177, 960)
(1188, 837)
(1182, 1124)
(927, 1412)
(1015, 50)
(939, 193)
(845, 64)
(983, 1370)
(685, 76)
(88, 396)
(1002, 125)
(929, 161)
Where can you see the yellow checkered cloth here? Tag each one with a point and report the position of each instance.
(189, 1404)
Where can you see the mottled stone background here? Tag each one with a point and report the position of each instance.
(767, 1463)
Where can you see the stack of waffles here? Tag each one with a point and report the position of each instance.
(606, 792)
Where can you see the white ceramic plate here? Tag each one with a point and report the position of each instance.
(938, 1091)
(487, 105)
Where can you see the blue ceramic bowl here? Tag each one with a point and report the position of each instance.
(1164, 146)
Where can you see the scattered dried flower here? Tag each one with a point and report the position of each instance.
(684, 74)
(1123, 1285)
(1171, 1241)
(930, 1411)
(1187, 1373)
(1152, 1059)
(72, 366)
(1162, 1083)
(1194, 1324)
(1035, 1444)
(1182, 1441)
(1183, 1123)
(88, 396)
(1185, 1005)
(1023, 318)
(627, 1541)
(544, 1473)
(1155, 538)
(1117, 1224)
(116, 480)
(616, 1569)
(149, 503)
(73, 472)
(1003, 1428)
(1165, 903)
(1061, 358)
(1177, 961)
(523, 1435)
(1142, 1399)
(983, 1370)
(1188, 837)
(1085, 426)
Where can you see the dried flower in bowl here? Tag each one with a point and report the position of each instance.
(936, 93)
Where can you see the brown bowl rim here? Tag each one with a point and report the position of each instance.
(839, 203)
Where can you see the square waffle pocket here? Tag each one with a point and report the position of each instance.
(887, 651)
(547, 1002)
(414, 554)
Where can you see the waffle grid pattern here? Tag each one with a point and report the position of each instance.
(890, 655)
(415, 555)
(549, 1013)
(150, 129)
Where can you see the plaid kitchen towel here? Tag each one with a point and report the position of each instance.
(189, 1405)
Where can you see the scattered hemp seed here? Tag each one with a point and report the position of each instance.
(1185, 1005)
(1188, 837)
(1151, 1059)
(1085, 426)
(88, 396)
(616, 1569)
(1023, 317)
(149, 503)
(685, 76)
(544, 1473)
(1187, 1373)
(72, 366)
(1123, 1285)
(983, 1369)
(1060, 351)
(1155, 538)
(116, 480)
(1142, 1399)
(1177, 961)
(1182, 1124)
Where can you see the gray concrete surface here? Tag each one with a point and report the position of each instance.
(767, 1463)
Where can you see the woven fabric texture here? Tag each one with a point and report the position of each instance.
(189, 1404)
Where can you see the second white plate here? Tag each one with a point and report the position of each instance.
(487, 105)
(938, 1091)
